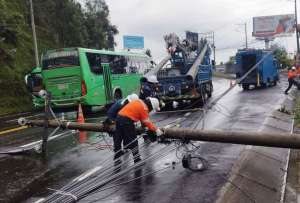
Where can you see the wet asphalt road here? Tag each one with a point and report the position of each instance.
(169, 182)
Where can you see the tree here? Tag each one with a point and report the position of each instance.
(100, 31)
(281, 55)
(148, 53)
(231, 60)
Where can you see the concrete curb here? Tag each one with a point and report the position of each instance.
(260, 173)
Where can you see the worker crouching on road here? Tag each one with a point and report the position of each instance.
(292, 74)
(137, 110)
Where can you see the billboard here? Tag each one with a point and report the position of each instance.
(133, 42)
(273, 26)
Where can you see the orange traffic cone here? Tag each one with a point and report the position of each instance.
(80, 119)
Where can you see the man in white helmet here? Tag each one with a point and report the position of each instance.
(137, 110)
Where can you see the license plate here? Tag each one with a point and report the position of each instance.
(62, 86)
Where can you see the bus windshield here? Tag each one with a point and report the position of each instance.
(60, 59)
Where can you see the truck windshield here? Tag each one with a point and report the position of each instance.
(60, 59)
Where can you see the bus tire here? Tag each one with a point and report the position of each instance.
(118, 94)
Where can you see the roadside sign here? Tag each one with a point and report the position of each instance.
(273, 26)
(133, 42)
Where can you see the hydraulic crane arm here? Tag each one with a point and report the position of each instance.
(195, 67)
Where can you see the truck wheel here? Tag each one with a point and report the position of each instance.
(264, 85)
(209, 93)
(245, 86)
(204, 96)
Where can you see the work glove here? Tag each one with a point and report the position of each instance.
(151, 135)
(107, 122)
(159, 132)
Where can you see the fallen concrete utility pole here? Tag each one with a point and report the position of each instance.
(96, 127)
(281, 140)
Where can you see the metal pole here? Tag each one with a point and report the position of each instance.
(214, 48)
(46, 124)
(36, 53)
(297, 33)
(281, 140)
(246, 37)
(267, 43)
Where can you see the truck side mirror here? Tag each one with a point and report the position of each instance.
(29, 82)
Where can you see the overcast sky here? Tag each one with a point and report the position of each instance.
(155, 18)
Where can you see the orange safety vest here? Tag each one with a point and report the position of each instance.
(292, 74)
(298, 70)
(138, 111)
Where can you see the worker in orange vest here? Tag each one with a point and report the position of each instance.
(137, 110)
(292, 74)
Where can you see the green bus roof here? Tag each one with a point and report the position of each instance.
(102, 51)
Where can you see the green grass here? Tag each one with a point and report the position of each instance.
(11, 105)
(297, 113)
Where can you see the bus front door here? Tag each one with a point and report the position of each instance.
(107, 83)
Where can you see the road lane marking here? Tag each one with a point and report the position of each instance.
(13, 130)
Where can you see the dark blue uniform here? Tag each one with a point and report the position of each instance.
(114, 109)
(147, 91)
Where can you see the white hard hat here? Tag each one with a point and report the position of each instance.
(152, 79)
(42, 93)
(132, 97)
(22, 121)
(154, 103)
(293, 68)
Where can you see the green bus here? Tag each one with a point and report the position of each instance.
(88, 76)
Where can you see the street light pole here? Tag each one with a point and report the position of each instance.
(214, 47)
(246, 37)
(36, 53)
(297, 34)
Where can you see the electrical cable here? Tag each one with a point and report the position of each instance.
(88, 187)
(98, 174)
(129, 181)
(161, 155)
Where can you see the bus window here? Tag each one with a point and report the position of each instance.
(132, 65)
(118, 64)
(95, 61)
(60, 59)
